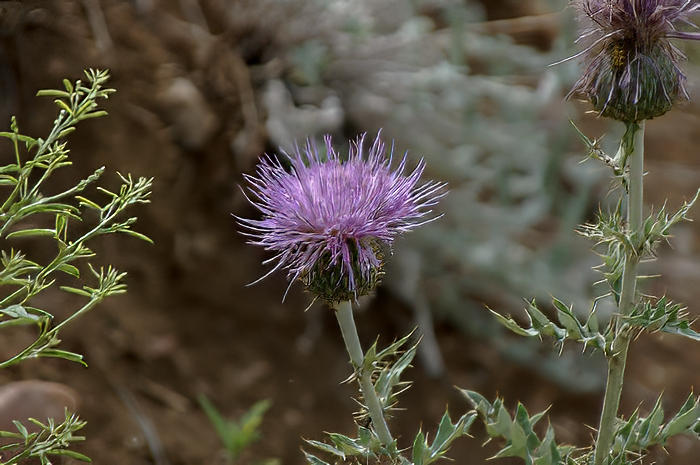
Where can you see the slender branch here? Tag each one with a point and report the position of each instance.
(617, 358)
(352, 344)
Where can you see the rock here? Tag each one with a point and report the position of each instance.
(21, 400)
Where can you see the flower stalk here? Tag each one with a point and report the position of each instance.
(346, 321)
(617, 357)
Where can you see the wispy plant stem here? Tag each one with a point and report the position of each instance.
(617, 357)
(352, 343)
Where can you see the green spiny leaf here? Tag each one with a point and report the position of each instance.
(687, 416)
(420, 449)
(479, 402)
(313, 460)
(347, 445)
(511, 324)
(569, 321)
(326, 448)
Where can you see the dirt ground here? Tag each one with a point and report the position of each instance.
(187, 76)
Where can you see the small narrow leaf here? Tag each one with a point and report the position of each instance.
(138, 235)
(64, 354)
(52, 93)
(72, 454)
(74, 290)
(87, 202)
(31, 233)
(7, 180)
(94, 114)
(65, 132)
(21, 428)
(63, 106)
(15, 311)
(69, 269)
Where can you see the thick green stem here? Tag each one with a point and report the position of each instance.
(352, 344)
(617, 358)
(613, 391)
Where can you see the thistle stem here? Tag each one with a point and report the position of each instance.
(352, 343)
(617, 358)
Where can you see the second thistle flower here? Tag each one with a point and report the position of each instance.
(631, 68)
(331, 219)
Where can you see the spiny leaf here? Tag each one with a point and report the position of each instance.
(313, 460)
(521, 440)
(448, 432)
(687, 416)
(327, 448)
(420, 449)
(347, 445)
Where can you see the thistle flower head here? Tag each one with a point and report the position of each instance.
(331, 220)
(631, 68)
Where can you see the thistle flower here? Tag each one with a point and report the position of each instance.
(631, 68)
(331, 220)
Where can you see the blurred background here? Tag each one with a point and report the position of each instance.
(204, 87)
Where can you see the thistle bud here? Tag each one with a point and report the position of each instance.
(632, 69)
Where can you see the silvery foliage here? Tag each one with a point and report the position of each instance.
(28, 213)
(486, 118)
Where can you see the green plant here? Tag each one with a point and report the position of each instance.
(67, 221)
(236, 434)
(632, 74)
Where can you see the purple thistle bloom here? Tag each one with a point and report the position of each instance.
(332, 220)
(632, 69)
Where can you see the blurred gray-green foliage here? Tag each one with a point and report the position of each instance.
(489, 116)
